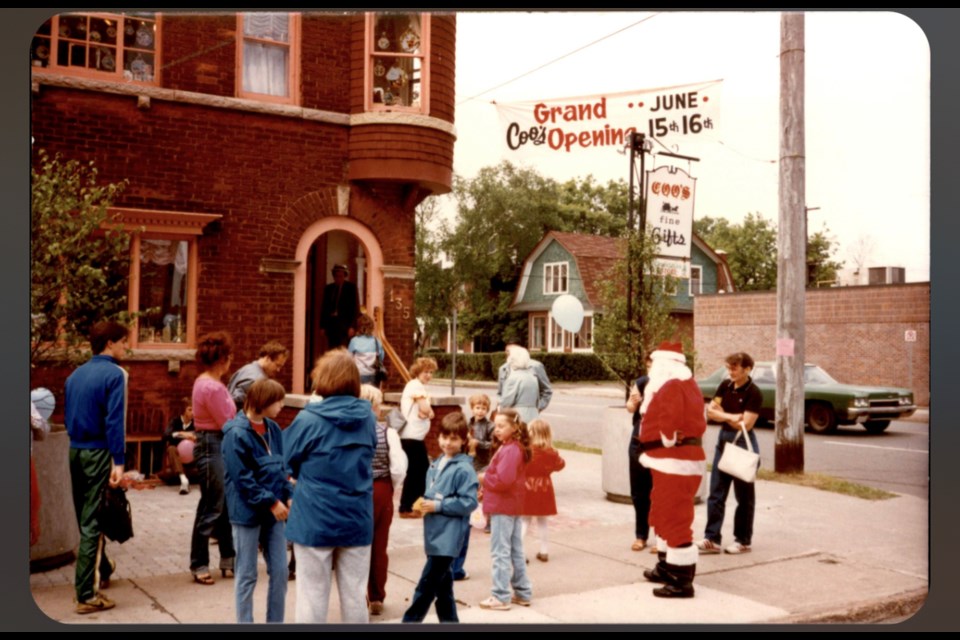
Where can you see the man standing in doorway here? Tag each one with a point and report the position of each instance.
(546, 391)
(341, 306)
(737, 402)
(95, 413)
(268, 364)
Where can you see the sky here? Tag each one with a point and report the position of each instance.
(867, 84)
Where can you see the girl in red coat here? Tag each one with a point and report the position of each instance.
(540, 500)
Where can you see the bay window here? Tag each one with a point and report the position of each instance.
(396, 72)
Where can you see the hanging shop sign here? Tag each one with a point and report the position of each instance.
(577, 125)
(669, 199)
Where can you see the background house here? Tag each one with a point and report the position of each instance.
(576, 263)
(260, 149)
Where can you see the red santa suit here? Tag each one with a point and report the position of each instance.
(673, 424)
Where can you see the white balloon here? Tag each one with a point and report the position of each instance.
(567, 311)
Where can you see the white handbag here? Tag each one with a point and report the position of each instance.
(740, 463)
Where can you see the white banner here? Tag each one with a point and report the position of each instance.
(581, 124)
(679, 269)
(670, 192)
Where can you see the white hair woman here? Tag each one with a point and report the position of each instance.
(521, 390)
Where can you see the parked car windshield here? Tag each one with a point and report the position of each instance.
(816, 375)
(812, 374)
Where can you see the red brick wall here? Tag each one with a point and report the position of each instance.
(855, 333)
(199, 53)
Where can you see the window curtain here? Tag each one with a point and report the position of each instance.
(265, 65)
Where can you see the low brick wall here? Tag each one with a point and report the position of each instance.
(857, 334)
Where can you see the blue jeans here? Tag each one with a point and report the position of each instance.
(212, 516)
(436, 583)
(271, 537)
(720, 489)
(506, 549)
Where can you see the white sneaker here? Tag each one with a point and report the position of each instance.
(494, 604)
(708, 546)
(737, 548)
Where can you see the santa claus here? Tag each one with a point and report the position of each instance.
(673, 424)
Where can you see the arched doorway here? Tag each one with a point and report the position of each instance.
(330, 241)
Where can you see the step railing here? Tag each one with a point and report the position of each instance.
(387, 347)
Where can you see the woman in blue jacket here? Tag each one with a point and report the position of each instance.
(258, 493)
(329, 451)
(450, 497)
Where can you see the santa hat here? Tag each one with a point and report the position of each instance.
(669, 351)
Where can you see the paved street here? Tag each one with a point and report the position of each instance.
(896, 460)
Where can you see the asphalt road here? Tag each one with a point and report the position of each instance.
(896, 460)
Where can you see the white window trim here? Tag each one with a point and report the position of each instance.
(699, 280)
(567, 336)
(564, 269)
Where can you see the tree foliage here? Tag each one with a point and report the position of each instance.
(79, 271)
(821, 267)
(502, 214)
(434, 296)
(624, 340)
(751, 248)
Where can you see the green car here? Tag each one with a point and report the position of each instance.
(828, 403)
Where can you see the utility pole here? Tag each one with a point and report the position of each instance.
(791, 250)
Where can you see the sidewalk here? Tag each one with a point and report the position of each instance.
(817, 556)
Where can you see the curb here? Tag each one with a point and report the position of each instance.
(890, 610)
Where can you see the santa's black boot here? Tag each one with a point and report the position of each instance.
(657, 573)
(679, 582)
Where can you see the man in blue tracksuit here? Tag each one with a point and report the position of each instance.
(95, 411)
(450, 498)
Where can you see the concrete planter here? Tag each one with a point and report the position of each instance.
(617, 427)
(59, 535)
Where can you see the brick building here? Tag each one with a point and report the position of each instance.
(873, 335)
(260, 150)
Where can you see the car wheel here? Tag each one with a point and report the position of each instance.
(876, 426)
(821, 418)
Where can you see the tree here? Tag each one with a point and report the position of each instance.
(434, 295)
(751, 249)
(79, 268)
(821, 268)
(502, 214)
(623, 342)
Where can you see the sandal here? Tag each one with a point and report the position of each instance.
(224, 572)
(638, 545)
(203, 578)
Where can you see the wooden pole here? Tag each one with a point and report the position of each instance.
(791, 250)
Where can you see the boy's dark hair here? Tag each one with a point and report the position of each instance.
(262, 394)
(185, 403)
(740, 358)
(454, 424)
(336, 374)
(479, 398)
(273, 350)
(214, 348)
(104, 332)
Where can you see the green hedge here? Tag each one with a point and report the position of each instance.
(564, 367)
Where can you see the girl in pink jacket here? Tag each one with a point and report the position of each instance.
(503, 497)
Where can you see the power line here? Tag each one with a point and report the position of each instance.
(566, 55)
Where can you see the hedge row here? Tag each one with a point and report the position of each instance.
(565, 367)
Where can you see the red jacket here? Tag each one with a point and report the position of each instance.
(676, 409)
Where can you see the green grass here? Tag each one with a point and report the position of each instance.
(824, 482)
(819, 481)
(573, 446)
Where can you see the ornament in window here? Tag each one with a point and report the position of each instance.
(111, 32)
(410, 41)
(144, 37)
(397, 76)
(107, 62)
(379, 70)
(129, 29)
(384, 41)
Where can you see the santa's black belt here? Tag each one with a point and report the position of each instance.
(656, 444)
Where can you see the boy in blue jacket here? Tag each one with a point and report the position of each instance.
(258, 493)
(450, 498)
